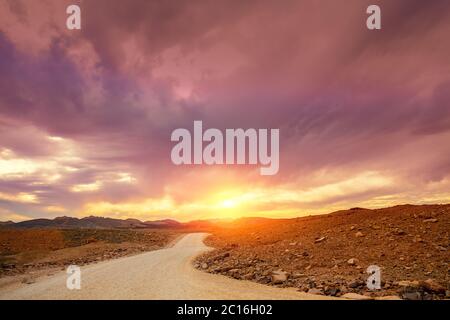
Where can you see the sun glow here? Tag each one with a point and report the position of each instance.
(229, 203)
(238, 201)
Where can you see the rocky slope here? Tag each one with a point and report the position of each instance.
(329, 254)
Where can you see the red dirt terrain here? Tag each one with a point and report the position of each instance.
(25, 251)
(329, 254)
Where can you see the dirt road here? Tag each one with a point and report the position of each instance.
(161, 274)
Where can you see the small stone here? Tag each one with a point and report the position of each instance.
(356, 284)
(412, 296)
(418, 239)
(320, 239)
(352, 261)
(248, 276)
(359, 234)
(430, 220)
(399, 232)
(315, 291)
(433, 286)
(279, 277)
(28, 280)
(332, 292)
(204, 265)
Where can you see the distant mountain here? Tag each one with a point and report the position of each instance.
(91, 223)
(167, 223)
(5, 223)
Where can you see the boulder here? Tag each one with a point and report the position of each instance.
(279, 276)
(433, 286)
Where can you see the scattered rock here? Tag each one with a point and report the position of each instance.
(204, 265)
(356, 284)
(433, 286)
(343, 289)
(315, 291)
(399, 232)
(412, 295)
(433, 220)
(332, 291)
(225, 255)
(279, 276)
(248, 276)
(28, 280)
(320, 239)
(327, 253)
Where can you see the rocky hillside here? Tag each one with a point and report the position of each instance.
(93, 222)
(90, 223)
(329, 254)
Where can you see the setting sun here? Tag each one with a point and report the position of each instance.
(229, 203)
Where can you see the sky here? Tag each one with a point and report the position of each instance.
(86, 115)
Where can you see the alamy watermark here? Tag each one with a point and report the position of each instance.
(73, 21)
(73, 281)
(234, 146)
(374, 279)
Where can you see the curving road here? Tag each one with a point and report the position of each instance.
(162, 274)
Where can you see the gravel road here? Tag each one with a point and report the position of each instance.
(162, 274)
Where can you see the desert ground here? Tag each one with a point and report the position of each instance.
(329, 254)
(26, 252)
(159, 274)
(312, 257)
